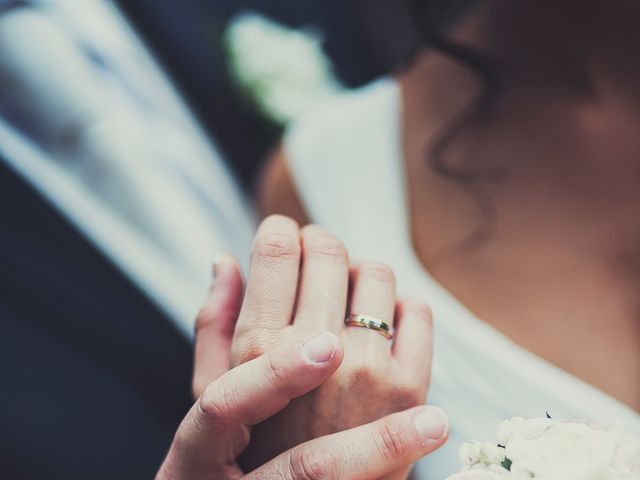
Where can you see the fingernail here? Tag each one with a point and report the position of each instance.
(218, 261)
(321, 348)
(214, 269)
(432, 423)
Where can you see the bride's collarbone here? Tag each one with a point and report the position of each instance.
(579, 320)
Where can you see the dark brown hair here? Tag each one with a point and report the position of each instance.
(431, 18)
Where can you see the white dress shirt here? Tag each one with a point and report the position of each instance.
(90, 120)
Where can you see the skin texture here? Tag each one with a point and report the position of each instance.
(560, 273)
(232, 403)
(217, 429)
(301, 282)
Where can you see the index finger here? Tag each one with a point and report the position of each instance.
(215, 324)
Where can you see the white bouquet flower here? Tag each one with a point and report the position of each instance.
(284, 70)
(547, 449)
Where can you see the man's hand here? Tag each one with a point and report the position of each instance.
(300, 283)
(217, 429)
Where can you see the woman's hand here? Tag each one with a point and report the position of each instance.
(301, 283)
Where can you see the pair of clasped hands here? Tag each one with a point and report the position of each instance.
(286, 390)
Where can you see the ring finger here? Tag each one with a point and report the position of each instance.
(374, 295)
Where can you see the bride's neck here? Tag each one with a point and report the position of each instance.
(562, 256)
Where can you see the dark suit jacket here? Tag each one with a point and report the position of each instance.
(93, 378)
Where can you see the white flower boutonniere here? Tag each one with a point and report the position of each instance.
(283, 70)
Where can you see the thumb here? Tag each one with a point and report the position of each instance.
(216, 323)
(217, 427)
(368, 452)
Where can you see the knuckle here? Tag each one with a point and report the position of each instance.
(272, 247)
(282, 221)
(215, 404)
(245, 350)
(253, 341)
(308, 464)
(361, 375)
(326, 246)
(391, 442)
(378, 271)
(276, 373)
(407, 395)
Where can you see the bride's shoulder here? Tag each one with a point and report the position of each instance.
(332, 136)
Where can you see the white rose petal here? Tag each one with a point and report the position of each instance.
(546, 449)
(477, 452)
(483, 472)
(564, 449)
(627, 456)
(519, 427)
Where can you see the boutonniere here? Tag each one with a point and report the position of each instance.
(283, 71)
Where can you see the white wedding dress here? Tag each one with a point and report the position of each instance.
(346, 163)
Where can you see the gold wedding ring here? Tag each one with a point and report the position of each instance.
(372, 323)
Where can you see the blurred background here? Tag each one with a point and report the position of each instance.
(363, 39)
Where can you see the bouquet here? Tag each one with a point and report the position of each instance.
(547, 449)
